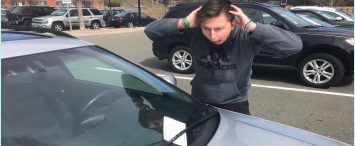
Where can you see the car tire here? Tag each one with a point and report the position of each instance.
(95, 25)
(116, 26)
(130, 25)
(185, 67)
(329, 70)
(57, 26)
(27, 23)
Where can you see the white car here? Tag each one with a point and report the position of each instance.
(315, 21)
(338, 13)
(57, 90)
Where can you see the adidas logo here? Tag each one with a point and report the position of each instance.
(206, 61)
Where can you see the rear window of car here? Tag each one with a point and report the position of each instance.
(121, 14)
(16, 10)
(95, 12)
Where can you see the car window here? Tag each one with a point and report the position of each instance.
(17, 9)
(291, 17)
(73, 13)
(95, 12)
(59, 12)
(267, 19)
(310, 14)
(104, 13)
(37, 11)
(48, 11)
(86, 12)
(144, 15)
(131, 15)
(115, 12)
(326, 15)
(180, 14)
(332, 14)
(87, 96)
(254, 15)
(121, 14)
(26, 11)
(325, 24)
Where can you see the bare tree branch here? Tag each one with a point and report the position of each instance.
(100, 2)
(32, 2)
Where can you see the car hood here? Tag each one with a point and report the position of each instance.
(330, 31)
(242, 130)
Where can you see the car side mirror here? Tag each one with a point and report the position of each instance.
(278, 24)
(148, 16)
(338, 18)
(170, 78)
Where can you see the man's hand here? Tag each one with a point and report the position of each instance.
(192, 19)
(243, 19)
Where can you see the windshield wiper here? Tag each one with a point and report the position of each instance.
(193, 125)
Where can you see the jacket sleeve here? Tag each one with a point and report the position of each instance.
(167, 29)
(274, 40)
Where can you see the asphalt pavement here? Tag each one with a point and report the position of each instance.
(276, 95)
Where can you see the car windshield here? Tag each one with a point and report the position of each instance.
(345, 13)
(59, 12)
(104, 13)
(326, 15)
(320, 22)
(88, 96)
(291, 17)
(16, 10)
(121, 14)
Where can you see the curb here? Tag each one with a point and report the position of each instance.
(107, 33)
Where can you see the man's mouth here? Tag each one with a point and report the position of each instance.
(216, 42)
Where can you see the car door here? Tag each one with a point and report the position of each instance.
(135, 19)
(144, 18)
(264, 17)
(74, 18)
(86, 16)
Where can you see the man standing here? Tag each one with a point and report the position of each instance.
(223, 50)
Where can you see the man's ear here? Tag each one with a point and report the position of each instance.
(233, 23)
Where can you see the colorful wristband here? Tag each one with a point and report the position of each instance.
(247, 25)
(184, 23)
(187, 22)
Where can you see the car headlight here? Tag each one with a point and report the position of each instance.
(45, 21)
(350, 41)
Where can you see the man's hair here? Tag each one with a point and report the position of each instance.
(213, 8)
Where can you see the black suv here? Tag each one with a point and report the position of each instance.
(327, 54)
(326, 18)
(109, 13)
(22, 15)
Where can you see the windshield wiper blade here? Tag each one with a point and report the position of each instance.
(193, 125)
(309, 26)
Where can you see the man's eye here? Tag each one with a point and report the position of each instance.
(218, 28)
(206, 28)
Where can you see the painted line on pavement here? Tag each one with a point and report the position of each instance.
(283, 88)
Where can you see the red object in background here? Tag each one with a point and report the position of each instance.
(109, 19)
(283, 6)
(118, 19)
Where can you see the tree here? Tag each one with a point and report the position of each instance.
(12, 2)
(3, 2)
(327, 2)
(100, 2)
(106, 3)
(165, 3)
(31, 2)
(78, 4)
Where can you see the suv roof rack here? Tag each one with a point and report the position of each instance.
(38, 30)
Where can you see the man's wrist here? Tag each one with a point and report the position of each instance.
(181, 24)
(252, 27)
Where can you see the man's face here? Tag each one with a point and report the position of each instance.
(217, 29)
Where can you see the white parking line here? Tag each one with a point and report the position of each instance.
(283, 88)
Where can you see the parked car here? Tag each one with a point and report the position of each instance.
(109, 13)
(326, 47)
(79, 94)
(337, 13)
(129, 19)
(59, 19)
(315, 21)
(325, 17)
(133, 6)
(22, 15)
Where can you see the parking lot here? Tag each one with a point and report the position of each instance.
(275, 95)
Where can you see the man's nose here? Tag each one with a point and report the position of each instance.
(213, 35)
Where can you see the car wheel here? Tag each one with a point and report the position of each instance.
(181, 60)
(130, 25)
(57, 26)
(95, 25)
(116, 26)
(320, 70)
(27, 23)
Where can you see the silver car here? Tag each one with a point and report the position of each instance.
(58, 90)
(59, 19)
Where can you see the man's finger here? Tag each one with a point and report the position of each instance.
(198, 9)
(235, 8)
(234, 13)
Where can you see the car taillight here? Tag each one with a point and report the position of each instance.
(118, 19)
(109, 19)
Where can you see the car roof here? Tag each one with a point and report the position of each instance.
(313, 7)
(303, 10)
(16, 44)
